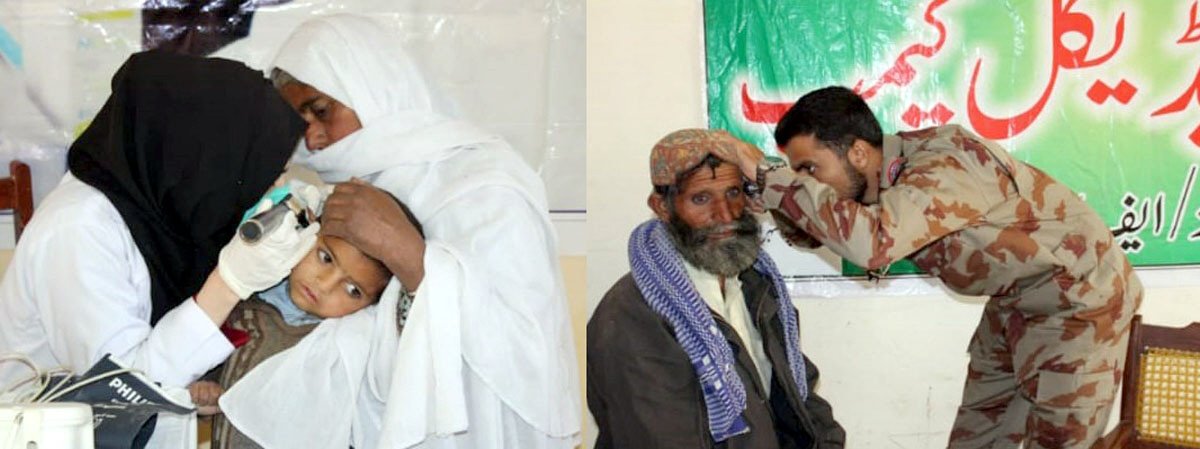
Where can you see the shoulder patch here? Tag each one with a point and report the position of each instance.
(894, 169)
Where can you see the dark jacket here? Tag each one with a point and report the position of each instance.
(644, 393)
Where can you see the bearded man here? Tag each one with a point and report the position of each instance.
(698, 346)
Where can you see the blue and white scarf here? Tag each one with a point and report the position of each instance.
(659, 274)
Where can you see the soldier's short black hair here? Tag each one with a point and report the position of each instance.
(835, 115)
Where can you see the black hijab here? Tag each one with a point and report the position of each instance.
(183, 146)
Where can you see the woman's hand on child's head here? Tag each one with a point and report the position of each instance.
(371, 220)
(205, 394)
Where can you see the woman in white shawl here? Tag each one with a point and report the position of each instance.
(487, 359)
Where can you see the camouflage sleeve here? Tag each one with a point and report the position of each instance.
(791, 234)
(933, 198)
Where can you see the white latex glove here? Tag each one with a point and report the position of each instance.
(312, 196)
(250, 268)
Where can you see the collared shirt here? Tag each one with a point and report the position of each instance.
(279, 297)
(731, 306)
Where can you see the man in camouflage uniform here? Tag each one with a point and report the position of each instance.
(1046, 357)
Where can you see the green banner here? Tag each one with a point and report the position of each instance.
(1102, 95)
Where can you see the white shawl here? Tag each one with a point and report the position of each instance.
(491, 310)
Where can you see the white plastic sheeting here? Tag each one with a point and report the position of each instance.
(515, 67)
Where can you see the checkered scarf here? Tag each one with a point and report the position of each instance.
(660, 276)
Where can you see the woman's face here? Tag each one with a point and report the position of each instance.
(328, 120)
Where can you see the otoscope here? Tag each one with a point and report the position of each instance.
(264, 222)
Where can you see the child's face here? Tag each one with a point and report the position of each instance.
(336, 279)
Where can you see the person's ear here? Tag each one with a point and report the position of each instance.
(658, 204)
(859, 155)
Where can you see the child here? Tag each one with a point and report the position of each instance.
(335, 279)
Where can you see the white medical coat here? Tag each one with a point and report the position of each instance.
(77, 288)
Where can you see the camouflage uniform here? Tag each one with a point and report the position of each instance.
(1047, 354)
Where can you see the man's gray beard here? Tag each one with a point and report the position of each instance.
(728, 258)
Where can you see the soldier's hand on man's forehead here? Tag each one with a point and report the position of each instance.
(726, 147)
(736, 151)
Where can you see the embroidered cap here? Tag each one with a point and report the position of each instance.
(682, 150)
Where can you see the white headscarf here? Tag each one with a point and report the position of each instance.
(355, 372)
(360, 64)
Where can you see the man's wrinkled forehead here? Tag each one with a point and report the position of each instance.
(681, 151)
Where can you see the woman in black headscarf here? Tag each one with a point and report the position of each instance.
(121, 257)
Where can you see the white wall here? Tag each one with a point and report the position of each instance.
(645, 78)
(892, 366)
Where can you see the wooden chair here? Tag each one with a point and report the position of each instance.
(1160, 397)
(16, 193)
